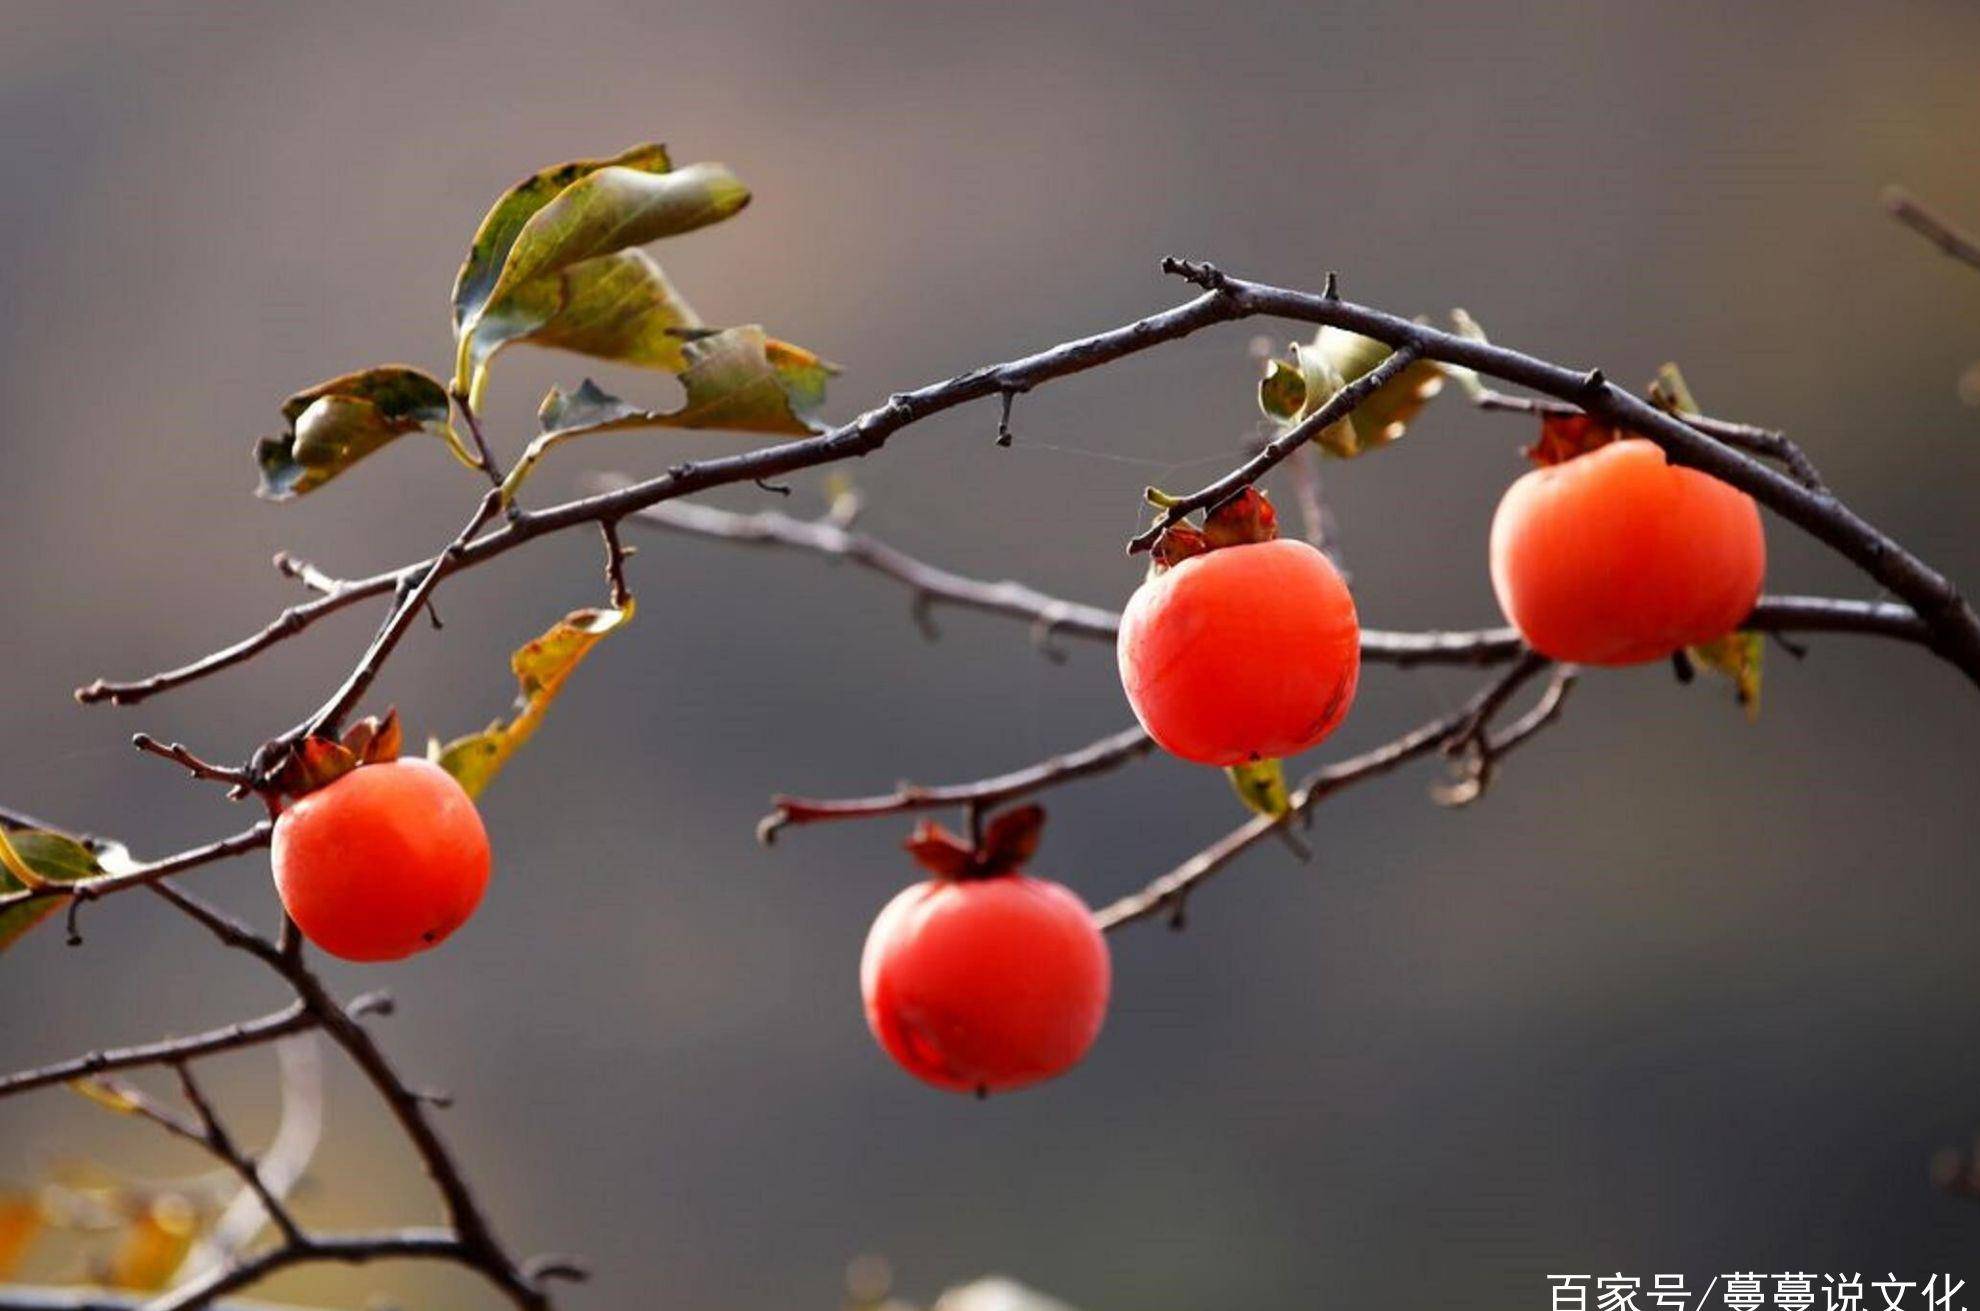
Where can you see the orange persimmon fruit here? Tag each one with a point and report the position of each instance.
(1615, 556)
(1240, 646)
(387, 860)
(983, 978)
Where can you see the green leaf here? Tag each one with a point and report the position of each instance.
(1261, 786)
(1293, 389)
(334, 424)
(1737, 656)
(49, 858)
(541, 666)
(607, 209)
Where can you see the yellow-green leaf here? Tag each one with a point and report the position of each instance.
(515, 207)
(45, 858)
(334, 424)
(1293, 389)
(737, 379)
(1261, 786)
(541, 667)
(620, 308)
(610, 208)
(1737, 656)
(110, 1096)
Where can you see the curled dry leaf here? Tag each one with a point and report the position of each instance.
(1294, 388)
(334, 424)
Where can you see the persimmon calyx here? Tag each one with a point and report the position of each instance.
(1009, 840)
(1564, 436)
(317, 762)
(1245, 518)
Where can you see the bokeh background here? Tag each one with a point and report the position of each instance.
(1683, 994)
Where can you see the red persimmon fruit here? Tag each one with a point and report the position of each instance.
(1615, 556)
(984, 979)
(387, 860)
(1240, 646)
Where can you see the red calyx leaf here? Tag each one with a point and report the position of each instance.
(314, 762)
(1246, 518)
(1564, 436)
(317, 762)
(940, 852)
(1243, 519)
(1008, 842)
(1011, 839)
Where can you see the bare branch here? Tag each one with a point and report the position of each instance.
(1332, 411)
(1768, 442)
(232, 1037)
(193, 765)
(90, 889)
(1929, 224)
(862, 436)
(1954, 628)
(1108, 753)
(1167, 893)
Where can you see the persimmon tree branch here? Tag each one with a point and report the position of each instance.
(1169, 893)
(1097, 758)
(293, 1018)
(1933, 614)
(1051, 615)
(1933, 226)
(468, 1238)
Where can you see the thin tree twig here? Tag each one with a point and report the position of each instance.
(192, 764)
(117, 880)
(213, 1132)
(298, 1132)
(1929, 224)
(1166, 894)
(1331, 411)
(1108, 753)
(1054, 615)
(290, 1019)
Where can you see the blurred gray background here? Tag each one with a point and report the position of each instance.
(1681, 995)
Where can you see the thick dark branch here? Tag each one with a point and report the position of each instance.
(1955, 633)
(1335, 408)
(1954, 628)
(1768, 442)
(861, 436)
(1108, 753)
(232, 1037)
(1166, 894)
(1927, 223)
